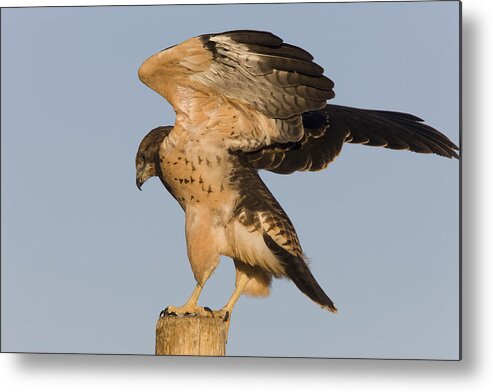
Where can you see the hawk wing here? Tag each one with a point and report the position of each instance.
(266, 99)
(327, 130)
(248, 88)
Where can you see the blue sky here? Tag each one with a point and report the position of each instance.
(88, 261)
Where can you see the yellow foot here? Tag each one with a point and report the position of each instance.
(222, 314)
(187, 310)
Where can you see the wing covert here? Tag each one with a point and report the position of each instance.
(258, 68)
(248, 87)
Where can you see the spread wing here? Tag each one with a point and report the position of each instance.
(266, 100)
(248, 88)
(327, 130)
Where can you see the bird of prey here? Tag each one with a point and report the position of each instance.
(244, 101)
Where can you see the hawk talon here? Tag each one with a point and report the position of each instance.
(209, 310)
(165, 312)
(222, 314)
(187, 311)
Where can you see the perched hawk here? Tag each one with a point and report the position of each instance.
(244, 101)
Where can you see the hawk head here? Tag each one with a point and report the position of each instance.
(147, 159)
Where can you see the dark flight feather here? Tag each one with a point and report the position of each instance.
(325, 132)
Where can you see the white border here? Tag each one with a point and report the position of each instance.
(474, 373)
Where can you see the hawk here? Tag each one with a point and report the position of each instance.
(244, 101)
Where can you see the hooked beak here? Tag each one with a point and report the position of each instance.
(142, 175)
(139, 183)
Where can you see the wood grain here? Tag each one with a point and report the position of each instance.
(191, 336)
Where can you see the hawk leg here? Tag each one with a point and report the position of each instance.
(226, 310)
(190, 308)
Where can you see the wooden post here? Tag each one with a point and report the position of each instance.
(191, 335)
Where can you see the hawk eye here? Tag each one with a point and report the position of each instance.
(142, 156)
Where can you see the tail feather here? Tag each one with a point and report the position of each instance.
(297, 270)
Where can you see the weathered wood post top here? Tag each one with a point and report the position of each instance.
(191, 335)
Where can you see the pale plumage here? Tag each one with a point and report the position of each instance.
(244, 101)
